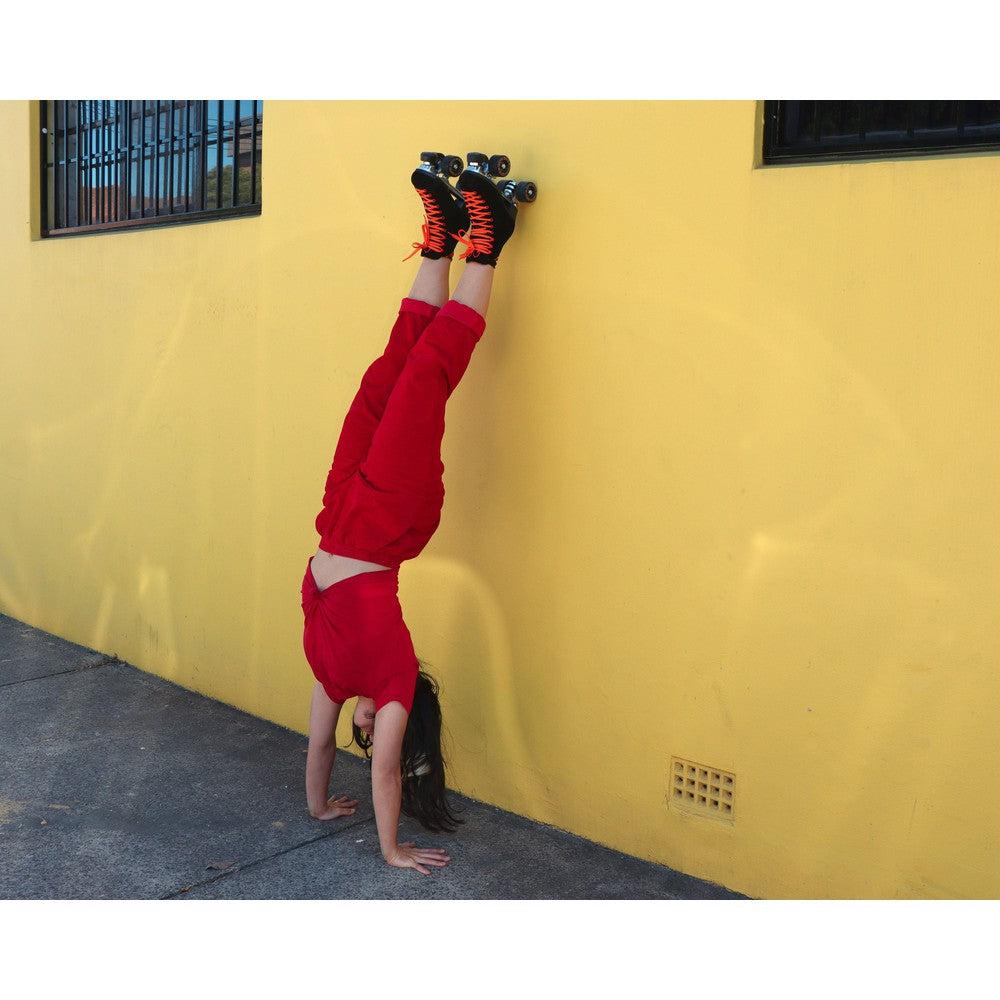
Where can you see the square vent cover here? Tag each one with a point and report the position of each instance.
(706, 791)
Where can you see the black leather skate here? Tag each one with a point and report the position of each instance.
(492, 206)
(445, 215)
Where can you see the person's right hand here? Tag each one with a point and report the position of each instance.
(336, 807)
(409, 856)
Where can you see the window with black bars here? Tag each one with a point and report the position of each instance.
(800, 131)
(118, 164)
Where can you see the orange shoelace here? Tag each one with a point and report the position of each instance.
(480, 231)
(434, 226)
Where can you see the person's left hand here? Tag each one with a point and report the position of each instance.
(338, 806)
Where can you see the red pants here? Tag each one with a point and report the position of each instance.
(382, 503)
(384, 491)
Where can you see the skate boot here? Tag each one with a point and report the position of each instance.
(492, 206)
(445, 215)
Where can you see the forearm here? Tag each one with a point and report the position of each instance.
(319, 767)
(387, 794)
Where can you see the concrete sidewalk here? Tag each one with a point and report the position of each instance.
(116, 784)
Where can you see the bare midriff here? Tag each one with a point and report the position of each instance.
(328, 569)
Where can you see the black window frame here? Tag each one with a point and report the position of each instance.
(832, 149)
(114, 143)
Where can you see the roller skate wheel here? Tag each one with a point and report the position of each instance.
(499, 165)
(452, 166)
(525, 191)
(431, 157)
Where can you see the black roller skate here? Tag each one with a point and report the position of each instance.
(445, 215)
(492, 206)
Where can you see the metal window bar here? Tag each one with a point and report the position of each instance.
(54, 188)
(253, 150)
(116, 142)
(218, 155)
(204, 157)
(112, 193)
(102, 142)
(65, 163)
(106, 159)
(126, 161)
(170, 163)
(156, 160)
(102, 146)
(62, 195)
(79, 159)
(187, 156)
(102, 163)
(83, 163)
(43, 138)
(85, 160)
(106, 165)
(236, 152)
(112, 185)
(105, 162)
(91, 143)
(141, 160)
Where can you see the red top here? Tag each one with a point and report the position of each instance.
(356, 641)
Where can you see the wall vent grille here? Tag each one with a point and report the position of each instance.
(707, 791)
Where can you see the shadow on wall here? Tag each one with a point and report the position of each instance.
(461, 631)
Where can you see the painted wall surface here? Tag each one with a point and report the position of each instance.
(722, 476)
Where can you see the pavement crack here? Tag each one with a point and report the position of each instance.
(106, 661)
(269, 857)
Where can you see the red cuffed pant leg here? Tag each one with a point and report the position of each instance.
(377, 384)
(405, 450)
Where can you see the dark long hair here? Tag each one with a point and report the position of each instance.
(421, 761)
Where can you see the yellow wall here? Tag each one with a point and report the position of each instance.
(722, 476)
